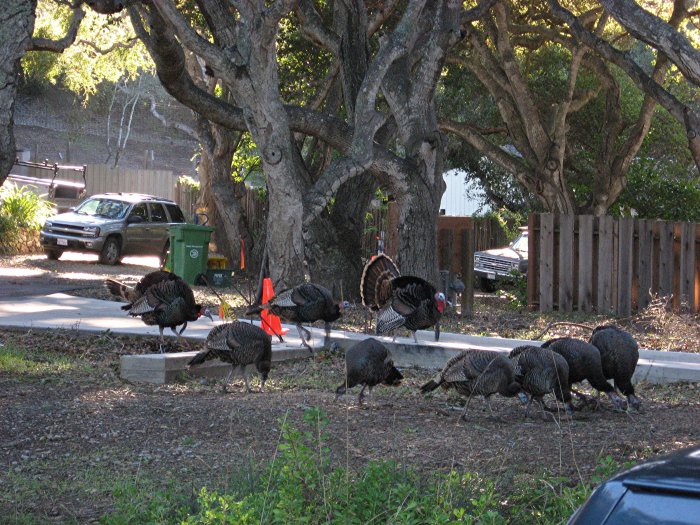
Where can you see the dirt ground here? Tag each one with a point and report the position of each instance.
(70, 428)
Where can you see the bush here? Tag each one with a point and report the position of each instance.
(300, 486)
(22, 213)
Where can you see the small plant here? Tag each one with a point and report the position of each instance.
(23, 207)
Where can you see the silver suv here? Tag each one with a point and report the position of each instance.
(113, 225)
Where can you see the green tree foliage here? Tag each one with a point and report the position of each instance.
(106, 49)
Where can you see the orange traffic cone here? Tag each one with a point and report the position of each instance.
(270, 323)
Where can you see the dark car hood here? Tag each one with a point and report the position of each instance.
(679, 471)
(506, 252)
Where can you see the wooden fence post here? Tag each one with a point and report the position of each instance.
(566, 263)
(467, 270)
(624, 272)
(546, 262)
(585, 263)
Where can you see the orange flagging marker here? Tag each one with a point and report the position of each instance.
(243, 256)
(270, 323)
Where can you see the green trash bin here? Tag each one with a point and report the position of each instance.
(189, 251)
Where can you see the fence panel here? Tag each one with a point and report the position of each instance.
(566, 262)
(585, 263)
(546, 276)
(625, 267)
(614, 265)
(687, 265)
(605, 264)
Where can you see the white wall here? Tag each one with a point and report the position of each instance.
(455, 200)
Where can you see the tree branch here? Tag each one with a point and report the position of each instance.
(663, 36)
(58, 46)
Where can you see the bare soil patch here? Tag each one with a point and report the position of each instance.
(70, 428)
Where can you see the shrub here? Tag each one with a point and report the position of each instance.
(22, 214)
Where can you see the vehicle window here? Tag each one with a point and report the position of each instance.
(139, 210)
(642, 507)
(103, 207)
(157, 212)
(520, 244)
(175, 213)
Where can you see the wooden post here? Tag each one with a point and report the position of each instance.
(467, 270)
(687, 270)
(566, 263)
(624, 267)
(585, 263)
(605, 264)
(546, 266)
(533, 261)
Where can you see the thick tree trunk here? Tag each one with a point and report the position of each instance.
(334, 248)
(220, 197)
(16, 29)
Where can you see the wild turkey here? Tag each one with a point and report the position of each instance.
(476, 372)
(132, 293)
(539, 371)
(619, 354)
(305, 303)
(368, 363)
(584, 363)
(240, 344)
(405, 301)
(168, 304)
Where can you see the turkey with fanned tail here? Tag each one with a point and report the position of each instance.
(476, 372)
(240, 344)
(305, 303)
(401, 300)
(168, 304)
(132, 293)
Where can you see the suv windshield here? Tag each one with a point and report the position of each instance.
(109, 208)
(520, 244)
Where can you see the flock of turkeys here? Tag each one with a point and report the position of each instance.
(529, 372)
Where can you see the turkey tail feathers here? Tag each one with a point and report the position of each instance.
(119, 289)
(254, 310)
(429, 386)
(375, 284)
(199, 358)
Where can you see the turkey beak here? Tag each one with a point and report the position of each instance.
(207, 313)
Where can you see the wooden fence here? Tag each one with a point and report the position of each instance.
(609, 265)
(100, 178)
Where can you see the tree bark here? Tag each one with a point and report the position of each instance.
(15, 36)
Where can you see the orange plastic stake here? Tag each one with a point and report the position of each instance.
(242, 255)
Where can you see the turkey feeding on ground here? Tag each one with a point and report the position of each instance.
(539, 371)
(168, 304)
(305, 303)
(132, 293)
(476, 372)
(402, 301)
(584, 363)
(240, 344)
(619, 354)
(368, 363)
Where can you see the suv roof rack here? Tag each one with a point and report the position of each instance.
(137, 196)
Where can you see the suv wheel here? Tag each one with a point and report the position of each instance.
(111, 252)
(53, 255)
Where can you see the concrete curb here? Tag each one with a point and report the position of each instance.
(93, 315)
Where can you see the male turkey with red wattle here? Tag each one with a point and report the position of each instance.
(401, 300)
